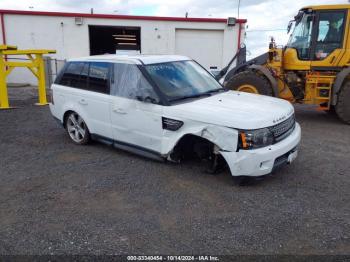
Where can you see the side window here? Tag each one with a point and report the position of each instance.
(99, 77)
(60, 74)
(84, 75)
(129, 82)
(71, 75)
(330, 33)
(301, 36)
(323, 29)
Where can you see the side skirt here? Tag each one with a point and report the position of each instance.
(138, 150)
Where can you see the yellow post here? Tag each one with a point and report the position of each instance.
(41, 80)
(4, 100)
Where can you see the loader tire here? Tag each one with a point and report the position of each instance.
(251, 82)
(331, 110)
(342, 107)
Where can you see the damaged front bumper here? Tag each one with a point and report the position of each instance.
(262, 161)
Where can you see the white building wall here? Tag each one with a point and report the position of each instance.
(71, 40)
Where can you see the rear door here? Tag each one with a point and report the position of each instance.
(85, 90)
(96, 98)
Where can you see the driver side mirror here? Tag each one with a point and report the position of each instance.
(147, 99)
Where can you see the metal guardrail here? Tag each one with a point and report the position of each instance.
(34, 62)
(52, 68)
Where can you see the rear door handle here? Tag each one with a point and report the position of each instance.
(83, 102)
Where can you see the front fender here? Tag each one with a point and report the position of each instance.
(223, 137)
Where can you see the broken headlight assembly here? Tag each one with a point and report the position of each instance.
(253, 139)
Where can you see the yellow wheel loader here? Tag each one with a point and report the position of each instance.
(313, 68)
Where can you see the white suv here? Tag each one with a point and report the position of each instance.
(169, 108)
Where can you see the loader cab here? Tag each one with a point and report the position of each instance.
(317, 39)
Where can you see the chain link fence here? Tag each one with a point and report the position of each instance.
(52, 68)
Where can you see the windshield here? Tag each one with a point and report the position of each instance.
(301, 36)
(182, 79)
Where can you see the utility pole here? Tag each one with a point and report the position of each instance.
(239, 3)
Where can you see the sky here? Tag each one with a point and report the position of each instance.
(266, 18)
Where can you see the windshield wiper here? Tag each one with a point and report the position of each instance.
(208, 93)
(188, 96)
(215, 90)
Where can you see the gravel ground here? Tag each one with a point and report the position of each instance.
(59, 198)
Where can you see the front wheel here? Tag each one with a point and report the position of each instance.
(342, 107)
(251, 82)
(77, 129)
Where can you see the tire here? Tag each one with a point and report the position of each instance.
(331, 110)
(342, 107)
(77, 129)
(250, 78)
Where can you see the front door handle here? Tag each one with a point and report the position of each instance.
(83, 102)
(119, 111)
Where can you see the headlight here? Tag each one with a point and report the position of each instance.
(252, 139)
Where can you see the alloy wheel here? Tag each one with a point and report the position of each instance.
(76, 127)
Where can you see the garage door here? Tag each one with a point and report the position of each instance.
(204, 46)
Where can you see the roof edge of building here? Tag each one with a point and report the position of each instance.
(110, 16)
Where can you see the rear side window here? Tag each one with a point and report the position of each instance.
(129, 82)
(84, 77)
(98, 77)
(71, 75)
(91, 76)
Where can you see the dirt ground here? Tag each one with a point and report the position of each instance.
(59, 198)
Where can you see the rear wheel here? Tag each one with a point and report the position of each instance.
(77, 129)
(251, 82)
(343, 104)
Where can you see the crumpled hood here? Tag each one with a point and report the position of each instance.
(234, 109)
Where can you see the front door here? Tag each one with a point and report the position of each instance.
(136, 117)
(328, 38)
